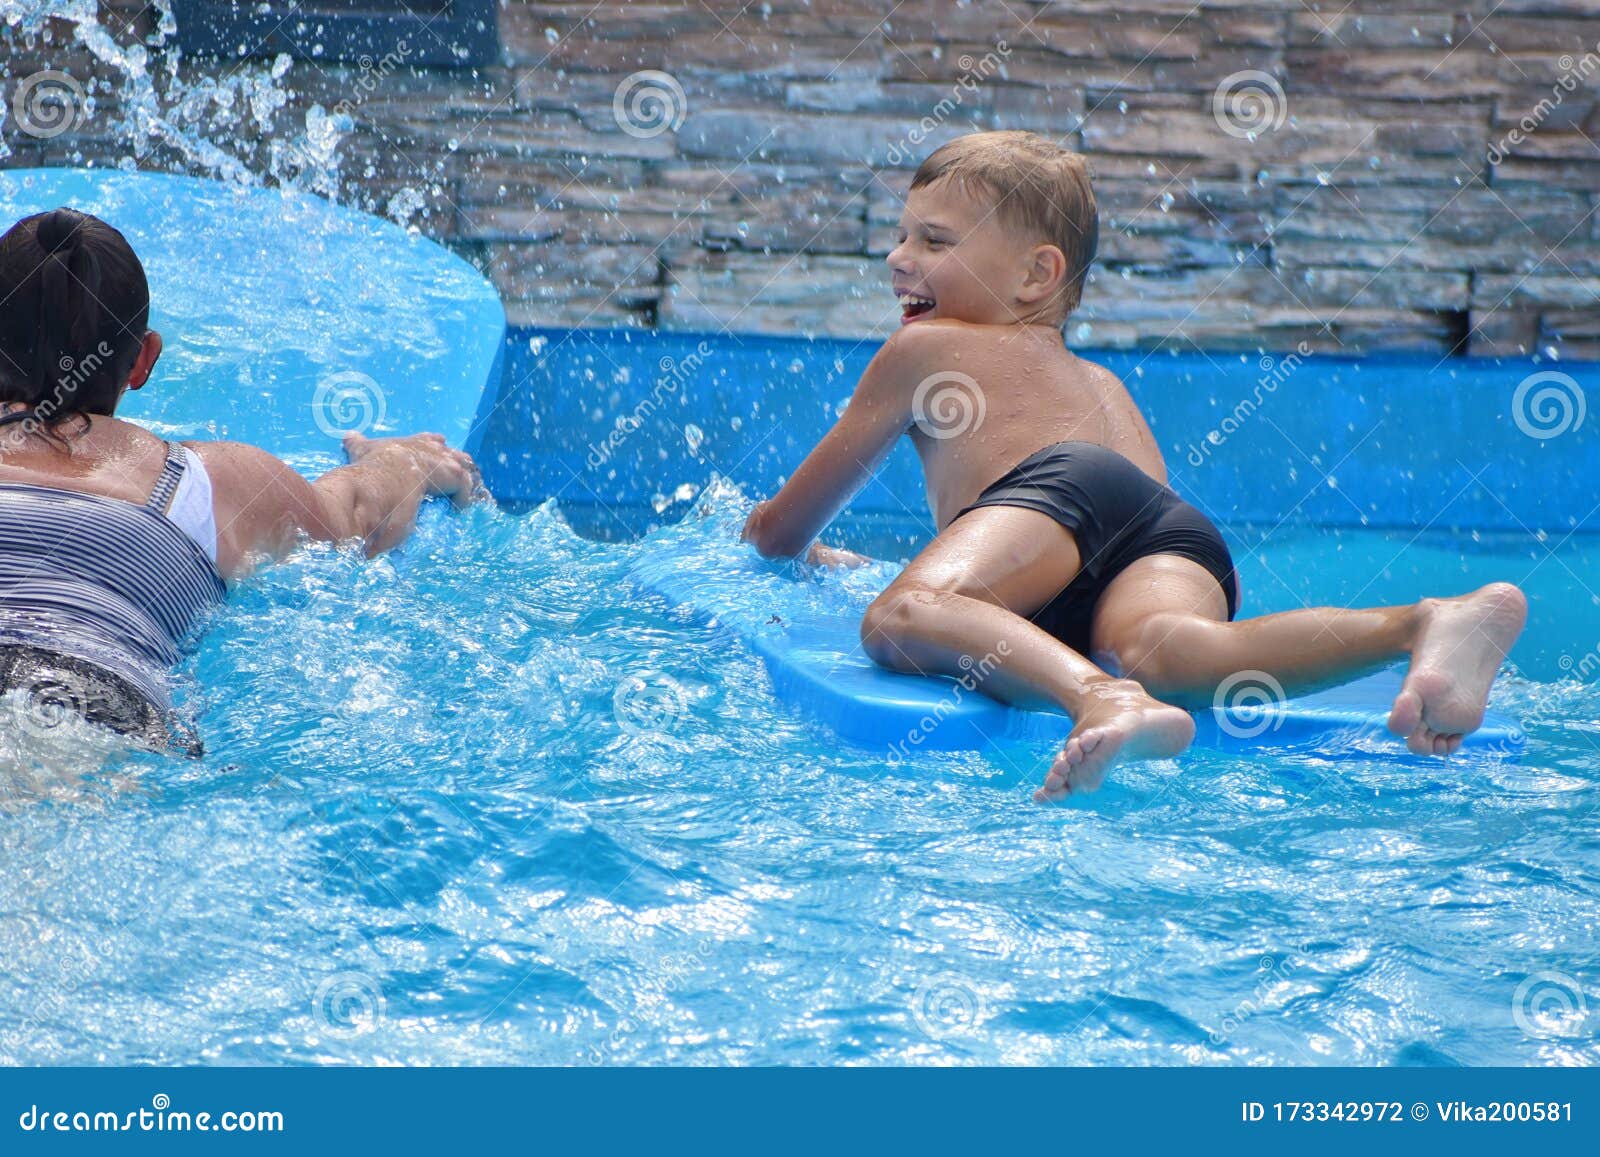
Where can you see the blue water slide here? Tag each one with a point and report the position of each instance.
(288, 319)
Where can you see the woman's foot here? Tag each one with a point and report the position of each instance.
(1117, 721)
(1458, 651)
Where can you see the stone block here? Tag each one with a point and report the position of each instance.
(1474, 11)
(562, 280)
(1576, 174)
(1553, 145)
(1178, 297)
(1536, 70)
(1139, 31)
(1314, 133)
(1503, 333)
(560, 182)
(1154, 252)
(539, 134)
(1367, 289)
(1504, 31)
(750, 134)
(1431, 74)
(800, 295)
(821, 215)
(538, 34)
(1551, 288)
(1344, 30)
(1574, 323)
(716, 52)
(1530, 109)
(1028, 64)
(1164, 170)
(578, 308)
(1571, 333)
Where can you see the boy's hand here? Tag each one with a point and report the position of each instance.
(830, 556)
(817, 555)
(752, 525)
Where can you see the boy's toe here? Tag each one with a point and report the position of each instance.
(1405, 717)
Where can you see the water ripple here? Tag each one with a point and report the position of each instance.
(483, 802)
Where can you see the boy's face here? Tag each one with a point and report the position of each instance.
(955, 259)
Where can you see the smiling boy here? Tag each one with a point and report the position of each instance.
(1056, 531)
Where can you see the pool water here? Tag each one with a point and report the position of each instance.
(486, 802)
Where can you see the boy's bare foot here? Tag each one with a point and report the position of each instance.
(1118, 721)
(1459, 649)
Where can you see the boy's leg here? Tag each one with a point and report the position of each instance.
(966, 597)
(1161, 622)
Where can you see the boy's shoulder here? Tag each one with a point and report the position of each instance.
(938, 338)
(920, 338)
(940, 343)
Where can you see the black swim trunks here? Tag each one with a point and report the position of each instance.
(1118, 514)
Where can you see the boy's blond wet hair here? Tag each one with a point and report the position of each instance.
(1038, 189)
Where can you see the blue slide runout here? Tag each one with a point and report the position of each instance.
(287, 319)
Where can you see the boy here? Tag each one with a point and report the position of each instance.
(1056, 531)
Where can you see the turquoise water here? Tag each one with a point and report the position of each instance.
(487, 802)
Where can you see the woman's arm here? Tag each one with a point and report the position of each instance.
(264, 508)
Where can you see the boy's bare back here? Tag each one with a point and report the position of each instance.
(1000, 393)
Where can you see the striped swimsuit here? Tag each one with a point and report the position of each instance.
(97, 596)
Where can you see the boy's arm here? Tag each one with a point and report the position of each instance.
(842, 463)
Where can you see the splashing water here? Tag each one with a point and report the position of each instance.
(228, 122)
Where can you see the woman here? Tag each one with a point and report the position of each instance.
(114, 542)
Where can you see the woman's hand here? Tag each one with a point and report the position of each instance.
(443, 471)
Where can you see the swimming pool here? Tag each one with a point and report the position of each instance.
(487, 802)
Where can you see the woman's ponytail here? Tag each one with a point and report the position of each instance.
(69, 307)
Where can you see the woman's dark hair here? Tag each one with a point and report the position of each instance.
(74, 309)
